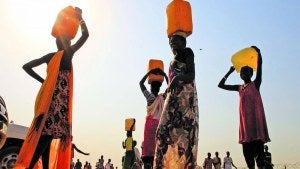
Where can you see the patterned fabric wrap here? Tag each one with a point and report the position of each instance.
(56, 123)
(153, 115)
(177, 133)
(60, 154)
(155, 109)
(149, 136)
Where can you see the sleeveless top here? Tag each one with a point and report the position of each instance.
(253, 125)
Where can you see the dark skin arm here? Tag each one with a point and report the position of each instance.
(257, 80)
(222, 84)
(189, 76)
(79, 151)
(233, 165)
(154, 71)
(28, 67)
(84, 31)
(123, 144)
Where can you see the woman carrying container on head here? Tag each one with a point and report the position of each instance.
(155, 103)
(177, 133)
(49, 135)
(253, 131)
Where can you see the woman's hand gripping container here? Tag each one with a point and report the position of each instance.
(153, 64)
(130, 124)
(179, 17)
(66, 23)
(245, 57)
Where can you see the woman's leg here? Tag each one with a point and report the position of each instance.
(45, 156)
(41, 148)
(249, 155)
(260, 155)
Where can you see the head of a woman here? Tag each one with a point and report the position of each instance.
(177, 42)
(208, 155)
(63, 42)
(155, 86)
(246, 73)
(129, 134)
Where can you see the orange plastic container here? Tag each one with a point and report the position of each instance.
(179, 17)
(128, 124)
(245, 57)
(153, 63)
(66, 23)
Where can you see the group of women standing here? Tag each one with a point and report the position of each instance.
(174, 139)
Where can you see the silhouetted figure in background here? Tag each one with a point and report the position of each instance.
(208, 162)
(217, 161)
(108, 164)
(86, 165)
(129, 144)
(228, 162)
(100, 163)
(268, 159)
(78, 165)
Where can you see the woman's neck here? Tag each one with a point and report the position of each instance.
(247, 81)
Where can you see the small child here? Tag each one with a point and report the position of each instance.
(129, 145)
(253, 131)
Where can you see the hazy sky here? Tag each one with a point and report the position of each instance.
(124, 35)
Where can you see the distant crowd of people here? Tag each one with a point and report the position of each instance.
(216, 161)
(99, 164)
(208, 163)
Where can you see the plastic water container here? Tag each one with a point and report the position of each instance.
(153, 63)
(130, 123)
(245, 57)
(66, 23)
(179, 17)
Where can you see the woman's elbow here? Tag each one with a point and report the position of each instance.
(25, 67)
(141, 85)
(86, 34)
(220, 85)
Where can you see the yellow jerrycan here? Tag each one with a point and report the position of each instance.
(245, 57)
